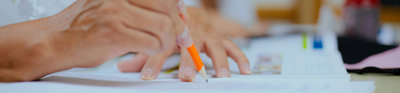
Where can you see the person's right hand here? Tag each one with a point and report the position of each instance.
(86, 34)
(207, 37)
(105, 29)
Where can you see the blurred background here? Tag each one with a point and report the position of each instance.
(372, 20)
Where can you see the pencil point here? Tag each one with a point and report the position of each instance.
(207, 80)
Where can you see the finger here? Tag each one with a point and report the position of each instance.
(153, 66)
(135, 64)
(187, 69)
(218, 55)
(236, 54)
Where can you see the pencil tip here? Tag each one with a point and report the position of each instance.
(207, 80)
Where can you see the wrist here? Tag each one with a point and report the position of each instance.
(29, 60)
(65, 46)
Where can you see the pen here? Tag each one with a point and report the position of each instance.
(192, 48)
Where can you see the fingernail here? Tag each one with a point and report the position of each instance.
(182, 6)
(188, 75)
(147, 74)
(185, 40)
(247, 70)
(223, 73)
(182, 10)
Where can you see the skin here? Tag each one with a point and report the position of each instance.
(211, 33)
(86, 34)
(209, 36)
(90, 32)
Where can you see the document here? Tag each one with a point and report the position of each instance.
(75, 82)
(279, 65)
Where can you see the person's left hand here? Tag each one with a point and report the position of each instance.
(207, 39)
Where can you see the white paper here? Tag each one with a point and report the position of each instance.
(302, 71)
(74, 82)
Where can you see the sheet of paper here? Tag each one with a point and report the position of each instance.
(274, 57)
(73, 82)
(279, 65)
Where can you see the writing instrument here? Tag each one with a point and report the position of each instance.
(197, 61)
(192, 48)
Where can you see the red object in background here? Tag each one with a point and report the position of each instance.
(362, 19)
(369, 3)
(350, 14)
(352, 2)
(368, 20)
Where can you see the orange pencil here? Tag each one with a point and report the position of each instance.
(197, 61)
(192, 49)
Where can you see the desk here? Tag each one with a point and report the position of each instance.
(384, 83)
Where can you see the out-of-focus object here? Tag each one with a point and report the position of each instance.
(35, 9)
(15, 11)
(327, 19)
(306, 11)
(397, 37)
(355, 50)
(284, 29)
(368, 20)
(362, 19)
(350, 15)
(242, 11)
(390, 11)
(209, 4)
(268, 64)
(387, 35)
(291, 11)
(275, 10)
(194, 3)
(386, 62)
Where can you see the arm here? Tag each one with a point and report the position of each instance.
(82, 36)
(28, 49)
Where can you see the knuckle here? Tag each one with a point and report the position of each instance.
(108, 8)
(228, 42)
(165, 24)
(109, 26)
(153, 44)
(214, 41)
(112, 24)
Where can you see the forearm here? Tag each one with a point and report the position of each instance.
(26, 58)
(28, 50)
(21, 53)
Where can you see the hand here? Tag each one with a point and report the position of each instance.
(86, 34)
(206, 39)
(116, 27)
